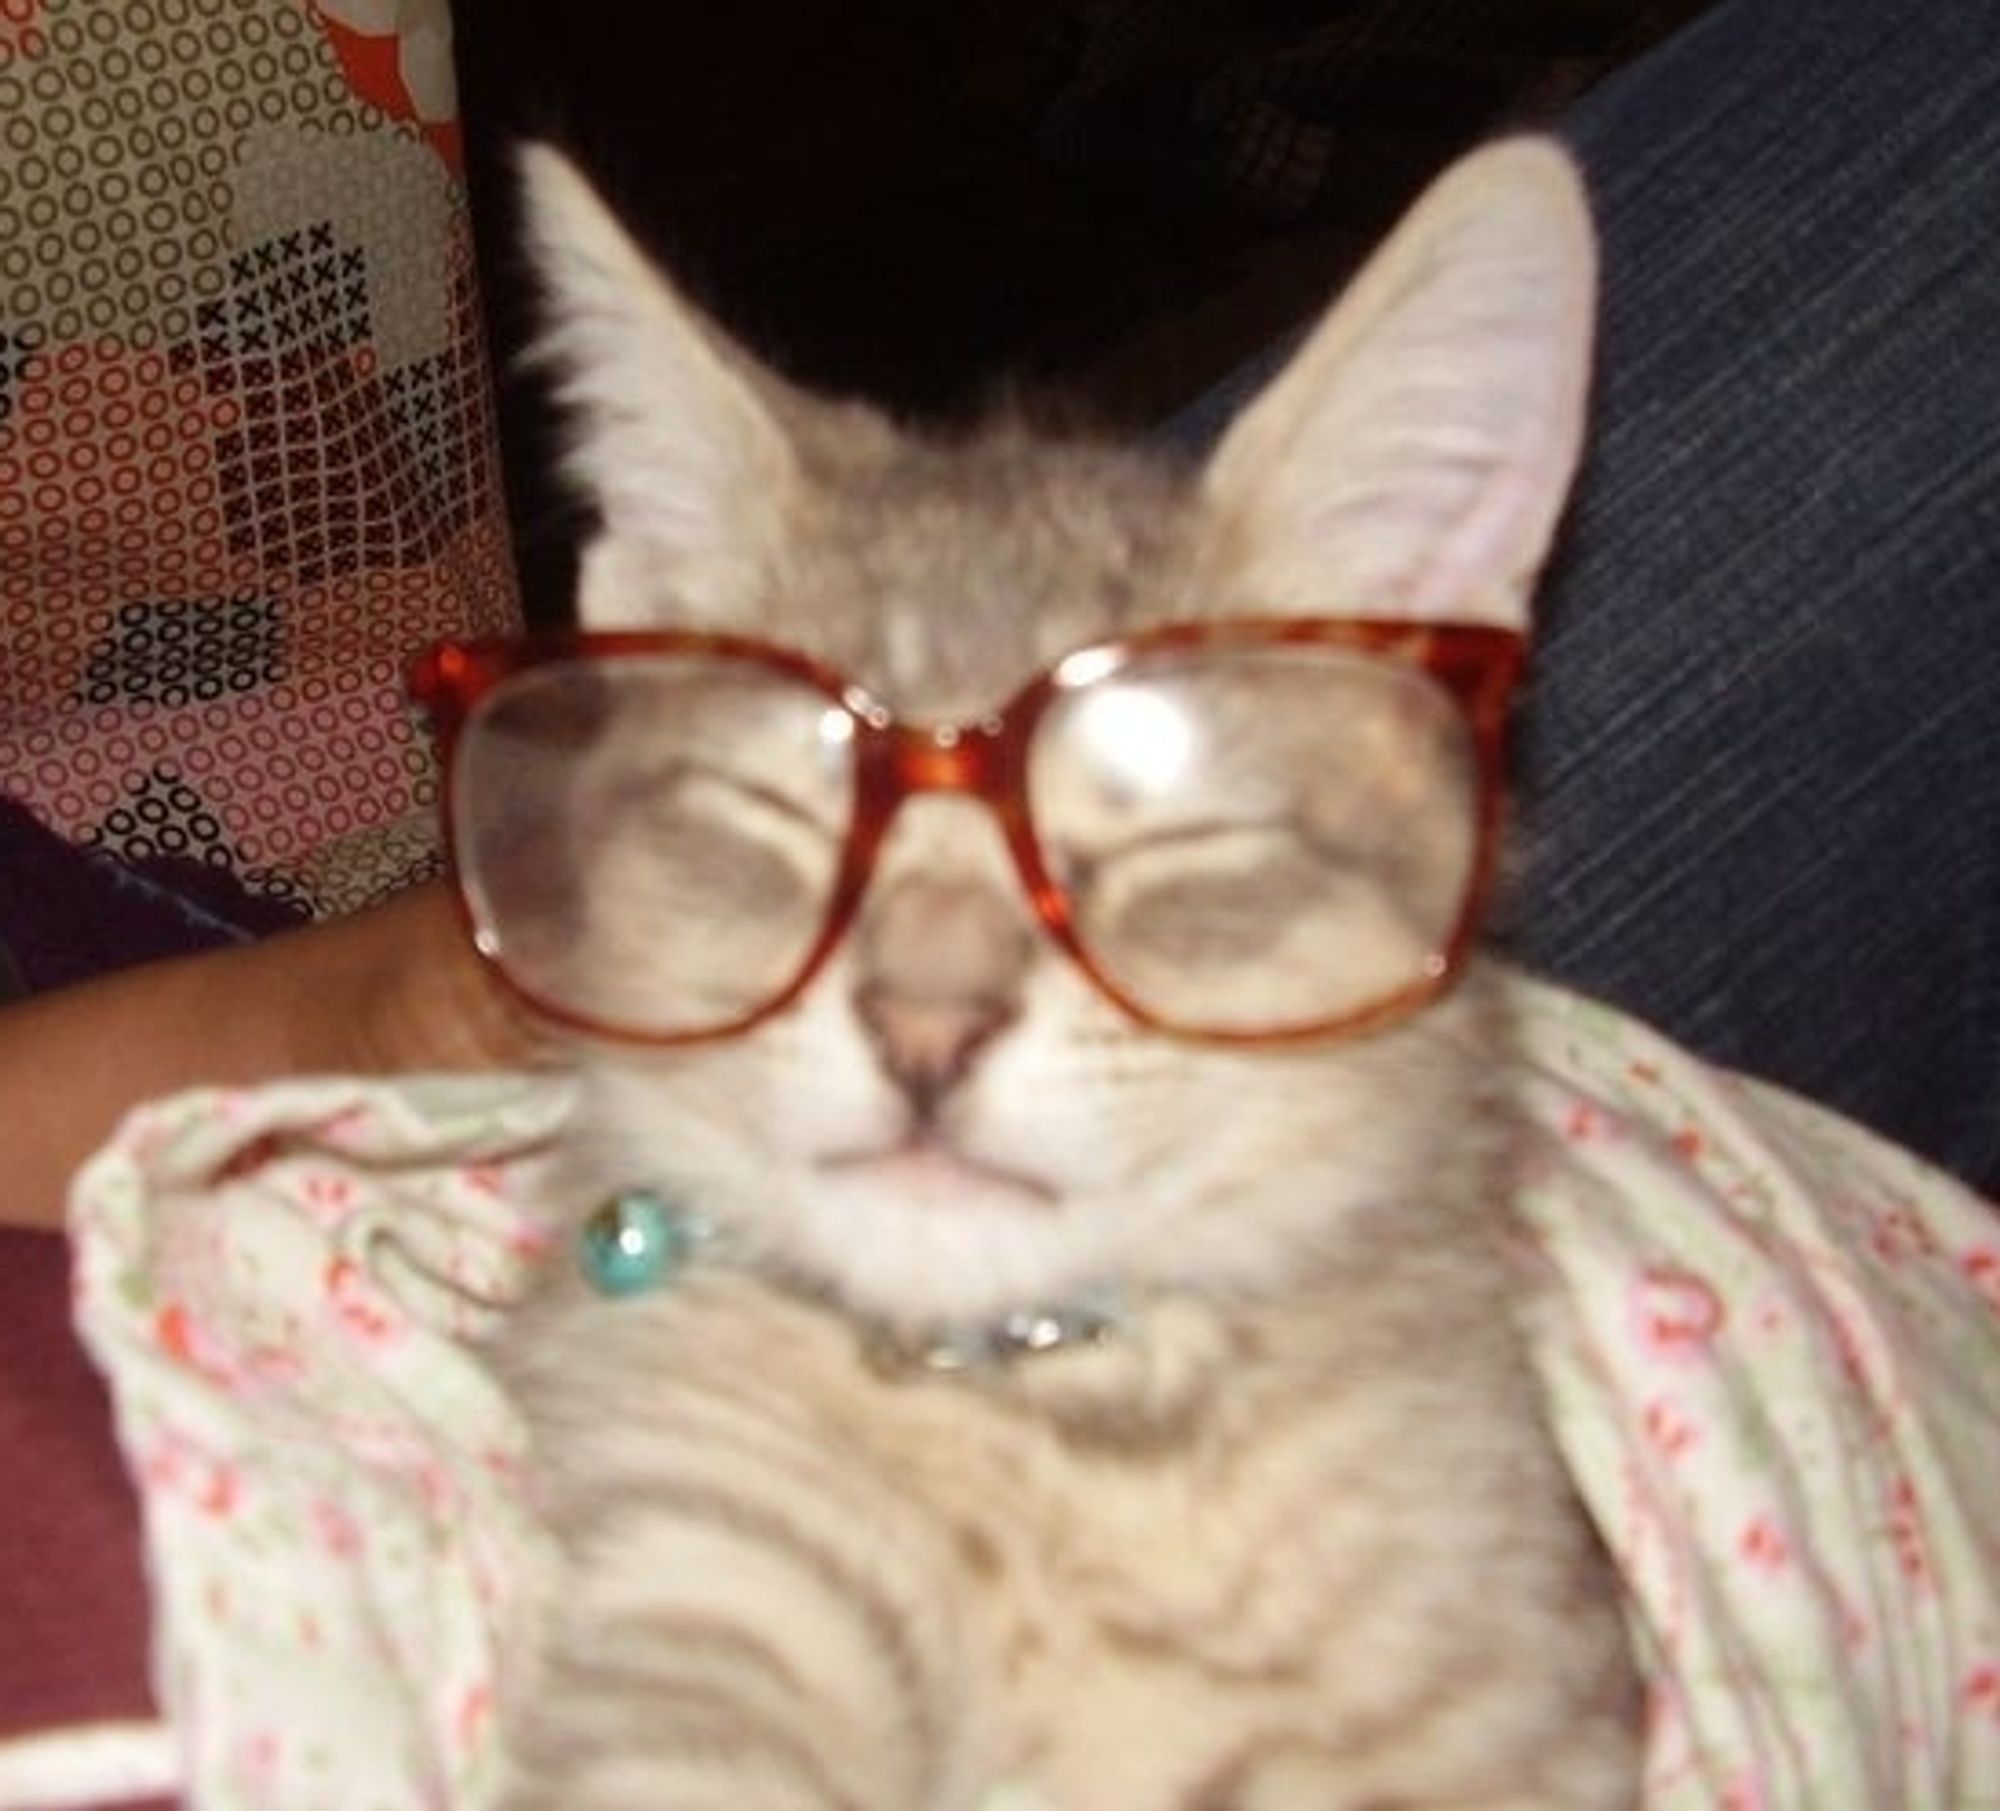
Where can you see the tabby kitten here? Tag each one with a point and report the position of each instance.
(1053, 1407)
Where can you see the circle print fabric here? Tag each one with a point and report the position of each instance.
(246, 448)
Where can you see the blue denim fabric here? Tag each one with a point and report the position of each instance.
(1760, 765)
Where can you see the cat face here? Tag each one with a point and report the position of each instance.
(951, 1121)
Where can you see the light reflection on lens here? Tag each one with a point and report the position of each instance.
(1138, 738)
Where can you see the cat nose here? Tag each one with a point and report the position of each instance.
(938, 974)
(927, 1047)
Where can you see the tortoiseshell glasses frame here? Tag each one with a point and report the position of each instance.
(1476, 665)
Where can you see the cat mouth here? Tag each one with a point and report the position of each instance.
(926, 1168)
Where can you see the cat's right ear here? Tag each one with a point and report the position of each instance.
(689, 468)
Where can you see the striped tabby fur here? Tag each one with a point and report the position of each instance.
(1295, 1539)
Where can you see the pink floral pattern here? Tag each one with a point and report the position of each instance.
(1771, 1346)
(281, 1285)
(1776, 1372)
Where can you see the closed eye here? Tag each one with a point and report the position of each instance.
(671, 791)
(689, 835)
(1221, 843)
(1209, 890)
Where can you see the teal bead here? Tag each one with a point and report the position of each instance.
(634, 1242)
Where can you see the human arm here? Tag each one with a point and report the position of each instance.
(392, 989)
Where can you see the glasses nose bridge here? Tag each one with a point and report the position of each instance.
(966, 760)
(946, 757)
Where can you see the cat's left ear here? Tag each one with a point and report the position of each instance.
(1414, 456)
(669, 436)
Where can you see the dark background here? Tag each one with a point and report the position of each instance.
(921, 199)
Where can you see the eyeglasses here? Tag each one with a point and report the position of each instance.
(1242, 831)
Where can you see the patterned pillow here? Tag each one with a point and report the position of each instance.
(247, 461)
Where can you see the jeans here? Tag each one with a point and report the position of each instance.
(1758, 764)
(1759, 767)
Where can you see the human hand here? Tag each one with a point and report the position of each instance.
(386, 991)
(423, 998)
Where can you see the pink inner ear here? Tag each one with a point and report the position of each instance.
(1478, 571)
(1414, 457)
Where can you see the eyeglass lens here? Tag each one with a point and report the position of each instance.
(650, 842)
(1261, 838)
